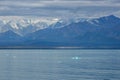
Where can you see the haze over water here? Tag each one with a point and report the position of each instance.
(59, 64)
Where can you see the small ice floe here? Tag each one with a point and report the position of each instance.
(76, 58)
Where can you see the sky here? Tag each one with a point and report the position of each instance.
(59, 8)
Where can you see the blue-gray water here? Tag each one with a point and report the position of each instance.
(59, 64)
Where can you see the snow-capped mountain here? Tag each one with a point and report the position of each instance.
(97, 32)
(105, 21)
(25, 25)
(56, 32)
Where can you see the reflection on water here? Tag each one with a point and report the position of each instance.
(59, 65)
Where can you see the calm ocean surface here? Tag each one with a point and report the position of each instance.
(59, 64)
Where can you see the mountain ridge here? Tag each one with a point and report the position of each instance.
(100, 32)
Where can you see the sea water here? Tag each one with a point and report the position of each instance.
(59, 64)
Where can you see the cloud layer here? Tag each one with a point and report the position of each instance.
(59, 8)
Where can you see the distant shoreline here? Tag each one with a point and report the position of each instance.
(59, 48)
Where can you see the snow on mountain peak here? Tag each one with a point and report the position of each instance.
(14, 25)
(19, 23)
(28, 24)
(27, 20)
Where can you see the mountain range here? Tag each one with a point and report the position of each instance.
(20, 32)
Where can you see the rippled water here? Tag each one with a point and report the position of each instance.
(59, 64)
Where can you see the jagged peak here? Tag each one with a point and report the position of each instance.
(109, 17)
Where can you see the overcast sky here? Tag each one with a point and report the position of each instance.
(61, 8)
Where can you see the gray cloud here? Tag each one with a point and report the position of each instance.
(82, 8)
